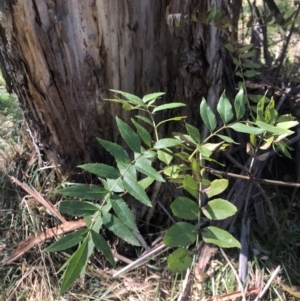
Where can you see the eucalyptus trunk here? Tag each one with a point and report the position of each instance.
(62, 57)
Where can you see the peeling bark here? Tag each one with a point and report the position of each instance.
(62, 57)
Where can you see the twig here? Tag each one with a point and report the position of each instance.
(236, 274)
(258, 187)
(141, 260)
(25, 245)
(275, 273)
(243, 257)
(33, 240)
(184, 284)
(40, 199)
(252, 179)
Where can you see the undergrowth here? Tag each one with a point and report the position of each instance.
(194, 212)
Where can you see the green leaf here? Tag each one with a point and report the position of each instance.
(130, 137)
(287, 124)
(207, 115)
(115, 225)
(179, 261)
(117, 100)
(134, 99)
(213, 147)
(190, 185)
(88, 221)
(150, 154)
(273, 129)
(216, 187)
(251, 73)
(245, 48)
(230, 47)
(127, 170)
(143, 133)
(127, 107)
(101, 170)
(168, 106)
(152, 96)
(68, 241)
(225, 109)
(239, 104)
(204, 151)
(248, 54)
(92, 192)
(219, 237)
(249, 64)
(227, 139)
(260, 108)
(219, 209)
(77, 208)
(271, 113)
(111, 185)
(186, 139)
(185, 208)
(285, 118)
(123, 212)
(134, 189)
(181, 234)
(166, 142)
(193, 132)
(178, 118)
(243, 128)
(164, 157)
(196, 172)
(76, 267)
(145, 119)
(236, 62)
(172, 171)
(238, 73)
(101, 245)
(115, 150)
(142, 166)
(98, 221)
(284, 149)
(145, 183)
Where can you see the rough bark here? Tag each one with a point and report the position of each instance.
(62, 57)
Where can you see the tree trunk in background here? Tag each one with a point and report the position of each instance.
(62, 57)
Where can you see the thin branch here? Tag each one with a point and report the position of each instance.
(251, 179)
(236, 275)
(144, 258)
(275, 273)
(39, 198)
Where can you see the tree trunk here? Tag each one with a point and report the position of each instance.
(62, 57)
